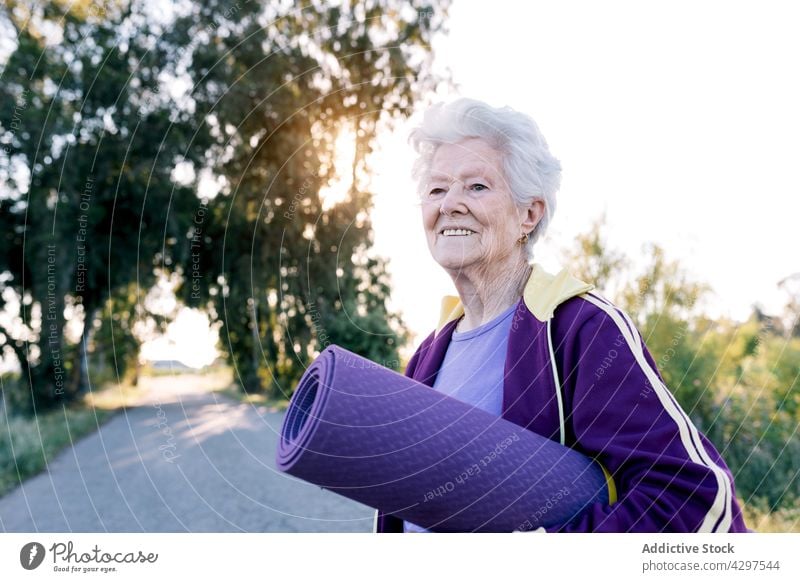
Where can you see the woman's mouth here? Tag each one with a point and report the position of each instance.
(457, 232)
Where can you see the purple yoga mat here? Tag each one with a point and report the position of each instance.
(390, 442)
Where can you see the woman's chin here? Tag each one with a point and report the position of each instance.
(454, 263)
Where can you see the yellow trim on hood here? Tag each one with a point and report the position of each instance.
(451, 309)
(543, 293)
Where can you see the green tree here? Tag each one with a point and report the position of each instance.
(272, 88)
(663, 303)
(592, 259)
(739, 381)
(91, 139)
(760, 429)
(791, 316)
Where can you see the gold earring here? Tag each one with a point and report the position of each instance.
(523, 239)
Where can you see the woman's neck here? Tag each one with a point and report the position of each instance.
(486, 295)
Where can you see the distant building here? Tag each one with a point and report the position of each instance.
(170, 366)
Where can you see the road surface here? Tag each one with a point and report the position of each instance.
(183, 459)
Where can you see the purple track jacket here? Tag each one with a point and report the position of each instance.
(578, 372)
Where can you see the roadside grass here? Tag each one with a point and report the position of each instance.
(782, 520)
(28, 444)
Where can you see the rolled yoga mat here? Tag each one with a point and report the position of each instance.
(395, 444)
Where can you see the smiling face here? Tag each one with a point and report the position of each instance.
(468, 211)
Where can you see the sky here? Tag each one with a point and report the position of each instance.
(679, 121)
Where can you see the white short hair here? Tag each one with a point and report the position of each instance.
(530, 169)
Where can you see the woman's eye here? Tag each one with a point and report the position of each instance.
(436, 191)
(478, 187)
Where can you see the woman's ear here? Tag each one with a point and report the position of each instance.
(533, 214)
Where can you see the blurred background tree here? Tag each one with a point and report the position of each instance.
(89, 203)
(738, 381)
(139, 143)
(278, 92)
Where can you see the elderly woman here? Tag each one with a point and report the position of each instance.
(526, 345)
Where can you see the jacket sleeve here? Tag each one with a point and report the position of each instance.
(668, 476)
(418, 354)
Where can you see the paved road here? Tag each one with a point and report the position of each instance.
(184, 459)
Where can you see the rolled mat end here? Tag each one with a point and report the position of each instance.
(390, 442)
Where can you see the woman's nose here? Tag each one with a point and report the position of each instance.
(453, 200)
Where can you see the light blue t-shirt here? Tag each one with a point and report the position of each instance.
(473, 370)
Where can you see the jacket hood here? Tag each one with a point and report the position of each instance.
(542, 294)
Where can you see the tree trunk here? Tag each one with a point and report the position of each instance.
(80, 365)
(253, 384)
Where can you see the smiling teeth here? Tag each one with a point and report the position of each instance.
(457, 232)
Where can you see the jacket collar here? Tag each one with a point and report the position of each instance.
(542, 294)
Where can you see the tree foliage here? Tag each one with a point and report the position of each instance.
(738, 381)
(90, 205)
(115, 117)
(286, 272)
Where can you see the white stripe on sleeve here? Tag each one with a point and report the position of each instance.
(686, 429)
